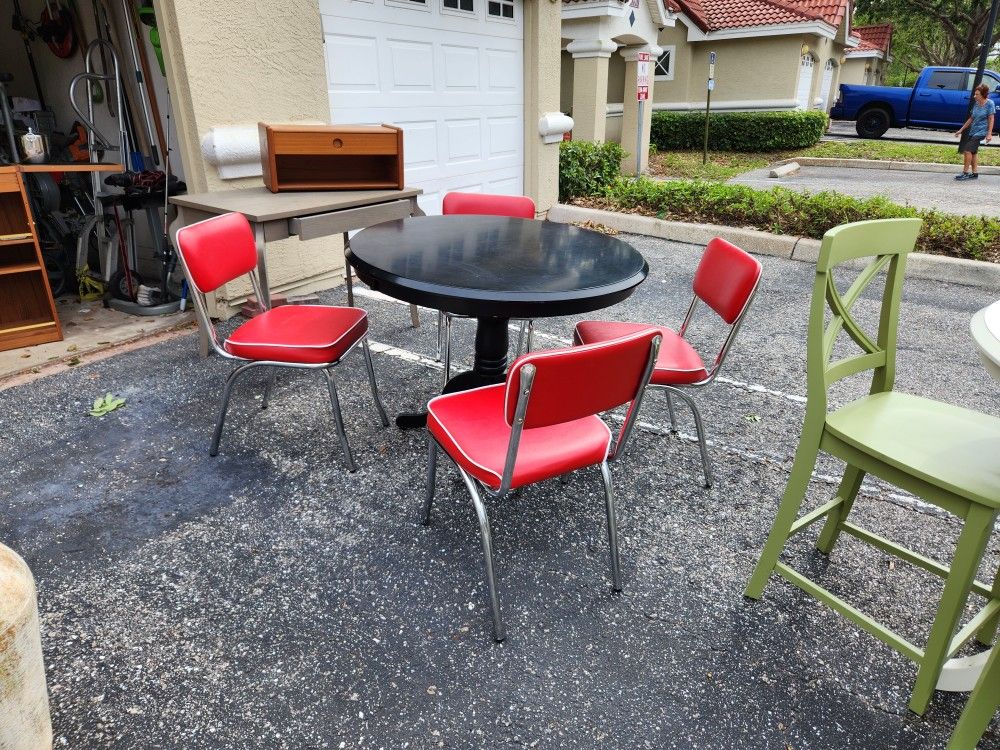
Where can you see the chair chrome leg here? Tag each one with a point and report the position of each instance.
(414, 316)
(447, 350)
(700, 427)
(670, 411)
(484, 529)
(437, 357)
(616, 571)
(338, 420)
(432, 454)
(268, 387)
(371, 381)
(525, 333)
(226, 391)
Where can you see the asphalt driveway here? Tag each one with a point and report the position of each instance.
(937, 190)
(268, 599)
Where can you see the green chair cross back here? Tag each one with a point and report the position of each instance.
(946, 455)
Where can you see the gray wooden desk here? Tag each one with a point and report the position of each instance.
(307, 215)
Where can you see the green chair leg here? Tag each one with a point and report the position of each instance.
(983, 703)
(987, 633)
(788, 511)
(847, 492)
(968, 552)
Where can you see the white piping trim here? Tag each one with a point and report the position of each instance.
(363, 318)
(521, 361)
(576, 329)
(451, 437)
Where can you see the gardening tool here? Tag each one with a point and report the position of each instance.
(96, 89)
(140, 82)
(148, 16)
(56, 29)
(24, 26)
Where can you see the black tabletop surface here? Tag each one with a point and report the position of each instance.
(493, 266)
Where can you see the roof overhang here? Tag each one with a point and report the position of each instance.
(819, 28)
(857, 54)
(594, 8)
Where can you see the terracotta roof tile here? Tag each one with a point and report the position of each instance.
(873, 38)
(713, 15)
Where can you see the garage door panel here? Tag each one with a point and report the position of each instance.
(460, 67)
(504, 70)
(357, 67)
(452, 81)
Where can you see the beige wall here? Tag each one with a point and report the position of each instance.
(760, 68)
(854, 71)
(230, 62)
(542, 63)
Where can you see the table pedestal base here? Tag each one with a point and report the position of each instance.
(489, 367)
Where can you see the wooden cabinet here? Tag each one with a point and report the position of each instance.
(331, 157)
(27, 310)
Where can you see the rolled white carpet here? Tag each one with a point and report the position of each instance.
(24, 700)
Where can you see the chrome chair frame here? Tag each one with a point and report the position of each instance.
(678, 390)
(201, 312)
(444, 340)
(477, 489)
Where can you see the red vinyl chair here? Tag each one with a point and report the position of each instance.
(481, 204)
(306, 337)
(726, 280)
(542, 423)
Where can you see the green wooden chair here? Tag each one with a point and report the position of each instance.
(946, 455)
(983, 703)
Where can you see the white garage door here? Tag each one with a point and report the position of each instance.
(806, 66)
(448, 72)
(826, 86)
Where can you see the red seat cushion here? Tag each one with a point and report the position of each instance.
(470, 426)
(302, 334)
(677, 364)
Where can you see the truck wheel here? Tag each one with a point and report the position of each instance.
(872, 123)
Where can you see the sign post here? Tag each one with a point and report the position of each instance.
(708, 102)
(641, 95)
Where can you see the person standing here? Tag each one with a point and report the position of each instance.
(980, 126)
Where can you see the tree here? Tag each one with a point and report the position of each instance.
(935, 32)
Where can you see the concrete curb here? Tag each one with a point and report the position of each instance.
(920, 265)
(903, 166)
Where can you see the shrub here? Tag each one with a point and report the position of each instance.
(738, 131)
(588, 168)
(784, 211)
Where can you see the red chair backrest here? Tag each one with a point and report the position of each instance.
(485, 204)
(580, 381)
(726, 279)
(217, 250)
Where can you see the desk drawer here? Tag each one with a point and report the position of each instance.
(332, 144)
(338, 222)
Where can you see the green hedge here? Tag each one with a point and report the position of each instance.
(587, 168)
(784, 211)
(737, 131)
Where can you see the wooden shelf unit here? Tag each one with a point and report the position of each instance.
(331, 157)
(27, 310)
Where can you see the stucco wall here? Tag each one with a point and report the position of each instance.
(230, 62)
(761, 68)
(542, 63)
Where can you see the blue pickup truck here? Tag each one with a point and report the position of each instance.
(938, 101)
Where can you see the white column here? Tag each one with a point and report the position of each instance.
(590, 87)
(630, 110)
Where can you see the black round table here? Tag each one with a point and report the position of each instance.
(494, 268)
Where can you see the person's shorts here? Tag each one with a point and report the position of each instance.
(972, 145)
